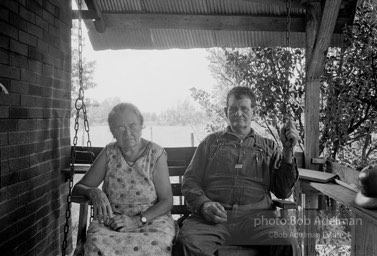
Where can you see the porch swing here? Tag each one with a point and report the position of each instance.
(178, 160)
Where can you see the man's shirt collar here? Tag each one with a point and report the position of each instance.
(229, 131)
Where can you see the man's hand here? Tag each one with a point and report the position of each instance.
(214, 212)
(289, 135)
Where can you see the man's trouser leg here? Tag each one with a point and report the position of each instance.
(198, 238)
(263, 229)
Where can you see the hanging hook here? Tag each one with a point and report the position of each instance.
(3, 89)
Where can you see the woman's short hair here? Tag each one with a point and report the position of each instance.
(242, 91)
(120, 108)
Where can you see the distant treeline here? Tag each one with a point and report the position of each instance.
(184, 113)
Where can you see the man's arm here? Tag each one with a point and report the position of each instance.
(284, 176)
(192, 183)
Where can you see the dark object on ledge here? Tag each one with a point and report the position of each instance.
(367, 197)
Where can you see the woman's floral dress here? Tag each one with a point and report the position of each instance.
(131, 190)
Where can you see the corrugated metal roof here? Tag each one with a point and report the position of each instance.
(126, 35)
(195, 7)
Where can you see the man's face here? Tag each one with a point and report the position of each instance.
(239, 113)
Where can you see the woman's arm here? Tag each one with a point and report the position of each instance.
(163, 189)
(88, 186)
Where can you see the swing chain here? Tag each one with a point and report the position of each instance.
(288, 22)
(79, 105)
(287, 42)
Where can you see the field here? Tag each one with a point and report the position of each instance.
(166, 136)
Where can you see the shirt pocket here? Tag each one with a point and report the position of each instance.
(255, 164)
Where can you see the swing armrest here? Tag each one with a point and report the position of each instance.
(83, 218)
(284, 204)
(81, 200)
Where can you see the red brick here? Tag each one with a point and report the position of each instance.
(9, 230)
(4, 166)
(26, 14)
(28, 76)
(4, 138)
(18, 112)
(34, 30)
(27, 39)
(4, 42)
(7, 206)
(19, 138)
(4, 14)
(28, 174)
(18, 87)
(33, 6)
(9, 72)
(35, 89)
(48, 59)
(8, 125)
(19, 188)
(9, 99)
(35, 113)
(40, 22)
(50, 8)
(35, 53)
(18, 60)
(17, 21)
(27, 124)
(18, 47)
(19, 163)
(48, 16)
(4, 56)
(9, 152)
(8, 30)
(48, 70)
(35, 66)
(10, 5)
(4, 112)
(10, 178)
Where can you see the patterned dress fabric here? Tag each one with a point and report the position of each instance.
(131, 190)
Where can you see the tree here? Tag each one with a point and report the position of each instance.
(279, 68)
(88, 66)
(183, 114)
(349, 93)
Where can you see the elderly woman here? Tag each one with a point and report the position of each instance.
(132, 211)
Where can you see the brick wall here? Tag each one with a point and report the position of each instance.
(35, 60)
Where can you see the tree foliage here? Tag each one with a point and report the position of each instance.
(277, 75)
(349, 93)
(279, 68)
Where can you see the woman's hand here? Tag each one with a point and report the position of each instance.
(124, 223)
(101, 206)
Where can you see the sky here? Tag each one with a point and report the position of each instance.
(153, 80)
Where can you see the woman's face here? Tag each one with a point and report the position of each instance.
(127, 129)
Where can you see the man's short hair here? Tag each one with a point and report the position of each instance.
(240, 92)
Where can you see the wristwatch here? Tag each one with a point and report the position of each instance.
(143, 219)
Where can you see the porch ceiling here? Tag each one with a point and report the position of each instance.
(166, 24)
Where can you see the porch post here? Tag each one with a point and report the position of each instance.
(320, 24)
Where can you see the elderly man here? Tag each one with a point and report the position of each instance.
(228, 183)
